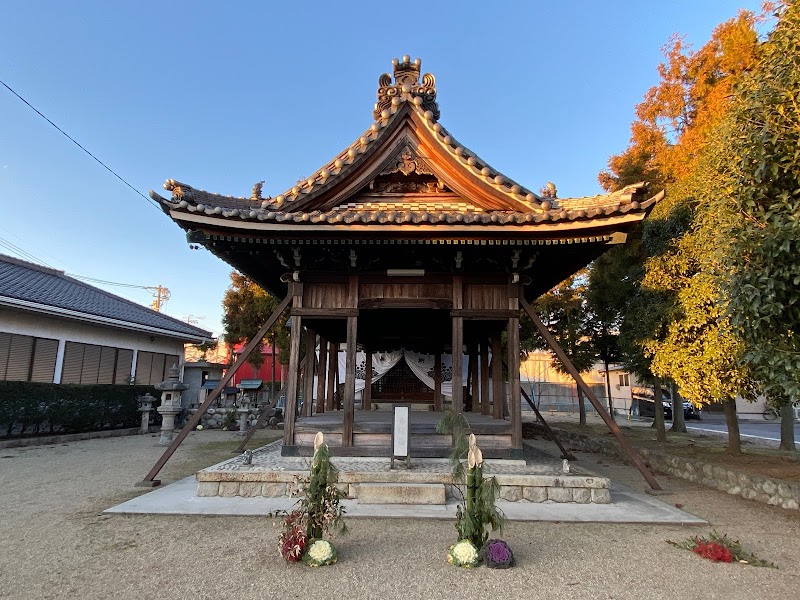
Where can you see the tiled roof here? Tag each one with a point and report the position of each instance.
(404, 98)
(37, 285)
(628, 199)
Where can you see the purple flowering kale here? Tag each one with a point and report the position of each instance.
(497, 555)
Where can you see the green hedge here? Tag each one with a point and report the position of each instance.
(44, 408)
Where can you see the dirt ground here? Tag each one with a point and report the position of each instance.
(56, 543)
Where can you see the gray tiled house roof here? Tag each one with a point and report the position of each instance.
(24, 285)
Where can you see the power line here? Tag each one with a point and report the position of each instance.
(23, 253)
(70, 138)
(103, 281)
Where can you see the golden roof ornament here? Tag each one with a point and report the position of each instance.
(407, 86)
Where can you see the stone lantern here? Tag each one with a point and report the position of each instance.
(171, 389)
(245, 404)
(145, 406)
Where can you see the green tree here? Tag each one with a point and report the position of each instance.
(668, 311)
(562, 310)
(758, 212)
(246, 308)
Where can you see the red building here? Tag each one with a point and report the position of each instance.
(270, 365)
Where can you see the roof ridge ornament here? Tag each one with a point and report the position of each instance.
(407, 86)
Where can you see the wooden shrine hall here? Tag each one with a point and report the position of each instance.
(405, 240)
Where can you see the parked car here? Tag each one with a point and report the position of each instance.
(643, 402)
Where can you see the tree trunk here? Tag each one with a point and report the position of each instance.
(731, 420)
(787, 427)
(678, 421)
(608, 390)
(581, 407)
(658, 411)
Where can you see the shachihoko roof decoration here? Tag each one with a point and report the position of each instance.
(406, 169)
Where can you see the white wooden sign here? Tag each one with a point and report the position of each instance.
(400, 433)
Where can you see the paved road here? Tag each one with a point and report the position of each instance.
(756, 430)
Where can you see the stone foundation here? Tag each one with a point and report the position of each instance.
(274, 476)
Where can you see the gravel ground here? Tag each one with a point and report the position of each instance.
(55, 543)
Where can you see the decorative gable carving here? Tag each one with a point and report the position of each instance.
(405, 172)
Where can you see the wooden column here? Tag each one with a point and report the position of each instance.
(349, 393)
(514, 400)
(308, 377)
(458, 345)
(321, 369)
(484, 358)
(474, 384)
(498, 393)
(366, 395)
(290, 409)
(437, 381)
(333, 370)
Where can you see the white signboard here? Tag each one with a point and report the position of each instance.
(400, 432)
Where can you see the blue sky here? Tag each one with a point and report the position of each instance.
(222, 95)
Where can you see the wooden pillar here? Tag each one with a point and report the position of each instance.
(366, 395)
(437, 381)
(290, 409)
(333, 370)
(484, 362)
(308, 378)
(498, 395)
(458, 345)
(349, 394)
(474, 384)
(321, 369)
(514, 400)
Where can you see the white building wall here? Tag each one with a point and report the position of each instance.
(66, 330)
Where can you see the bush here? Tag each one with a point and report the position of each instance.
(28, 408)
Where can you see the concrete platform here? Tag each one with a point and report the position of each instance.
(627, 506)
(537, 478)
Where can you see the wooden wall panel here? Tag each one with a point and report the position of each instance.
(324, 295)
(485, 296)
(405, 290)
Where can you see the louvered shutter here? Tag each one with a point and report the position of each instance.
(108, 358)
(124, 362)
(143, 363)
(91, 364)
(5, 346)
(44, 360)
(73, 363)
(169, 360)
(157, 370)
(19, 358)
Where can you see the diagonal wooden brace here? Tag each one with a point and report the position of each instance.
(629, 450)
(149, 479)
(564, 452)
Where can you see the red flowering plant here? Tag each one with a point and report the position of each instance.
(721, 548)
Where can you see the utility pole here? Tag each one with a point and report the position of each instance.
(161, 295)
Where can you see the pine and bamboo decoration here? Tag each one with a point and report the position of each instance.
(479, 511)
(321, 502)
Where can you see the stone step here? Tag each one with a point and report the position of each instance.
(401, 493)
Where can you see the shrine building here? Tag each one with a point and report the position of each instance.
(413, 255)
